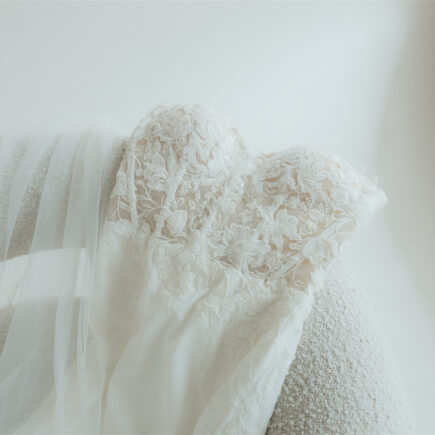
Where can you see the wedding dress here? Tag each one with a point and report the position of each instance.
(183, 312)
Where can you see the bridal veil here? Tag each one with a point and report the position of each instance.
(53, 196)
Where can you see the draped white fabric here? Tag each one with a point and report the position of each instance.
(53, 191)
(181, 312)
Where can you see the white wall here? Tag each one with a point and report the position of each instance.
(356, 78)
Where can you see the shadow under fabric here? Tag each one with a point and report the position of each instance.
(58, 349)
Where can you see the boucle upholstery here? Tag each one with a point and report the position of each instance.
(342, 379)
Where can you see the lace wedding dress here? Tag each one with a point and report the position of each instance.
(205, 270)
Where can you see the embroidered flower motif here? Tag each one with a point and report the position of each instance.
(262, 216)
(176, 223)
(293, 203)
(287, 224)
(317, 250)
(121, 185)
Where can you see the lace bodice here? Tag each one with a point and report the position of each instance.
(187, 176)
(194, 294)
(219, 253)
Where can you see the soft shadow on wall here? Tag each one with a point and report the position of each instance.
(406, 162)
(406, 154)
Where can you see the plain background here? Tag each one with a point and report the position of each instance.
(355, 78)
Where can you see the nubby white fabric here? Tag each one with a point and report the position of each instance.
(343, 379)
(205, 271)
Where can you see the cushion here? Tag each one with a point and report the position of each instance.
(343, 378)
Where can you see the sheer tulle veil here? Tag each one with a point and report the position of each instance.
(53, 192)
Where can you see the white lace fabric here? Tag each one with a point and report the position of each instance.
(187, 175)
(207, 266)
(234, 246)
